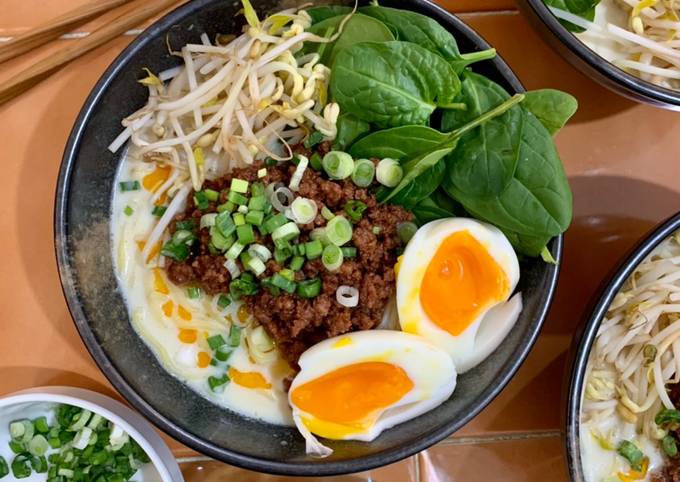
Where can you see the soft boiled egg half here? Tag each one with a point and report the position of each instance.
(354, 386)
(453, 284)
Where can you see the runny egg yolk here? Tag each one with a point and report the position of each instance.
(461, 280)
(351, 395)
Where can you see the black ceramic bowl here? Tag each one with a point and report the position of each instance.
(83, 249)
(590, 63)
(584, 341)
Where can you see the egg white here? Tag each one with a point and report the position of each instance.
(491, 326)
(430, 369)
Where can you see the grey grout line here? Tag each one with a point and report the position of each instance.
(495, 438)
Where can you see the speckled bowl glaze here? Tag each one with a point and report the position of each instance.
(84, 255)
(583, 342)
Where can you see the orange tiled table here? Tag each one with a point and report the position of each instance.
(622, 164)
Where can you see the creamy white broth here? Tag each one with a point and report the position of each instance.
(146, 301)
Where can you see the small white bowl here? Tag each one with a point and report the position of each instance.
(31, 403)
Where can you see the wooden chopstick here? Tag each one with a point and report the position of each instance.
(137, 13)
(55, 27)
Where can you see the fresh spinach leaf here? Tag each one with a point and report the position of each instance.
(426, 32)
(359, 28)
(349, 130)
(323, 12)
(536, 204)
(400, 143)
(436, 206)
(425, 174)
(552, 107)
(582, 8)
(392, 83)
(485, 160)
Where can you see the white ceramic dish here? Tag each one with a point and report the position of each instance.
(37, 401)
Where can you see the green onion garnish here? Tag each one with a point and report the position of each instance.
(327, 213)
(349, 252)
(313, 249)
(228, 207)
(309, 288)
(282, 254)
(223, 301)
(389, 172)
(364, 172)
(21, 467)
(128, 211)
(158, 211)
(225, 224)
(239, 219)
(235, 250)
(239, 185)
(375, 230)
(270, 224)
(629, 451)
(304, 210)
(270, 162)
(237, 198)
(4, 468)
(217, 385)
(215, 341)
(245, 234)
(253, 264)
(234, 336)
(667, 417)
(242, 286)
(219, 241)
(185, 225)
(284, 283)
(262, 173)
(255, 217)
(332, 257)
(355, 210)
(338, 231)
(41, 425)
(257, 203)
(313, 139)
(211, 194)
(193, 292)
(286, 232)
(129, 186)
(296, 263)
(406, 231)
(316, 162)
(338, 165)
(201, 200)
(669, 446)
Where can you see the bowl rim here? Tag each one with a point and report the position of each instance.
(659, 96)
(113, 411)
(583, 343)
(280, 467)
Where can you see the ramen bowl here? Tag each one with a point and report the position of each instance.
(83, 247)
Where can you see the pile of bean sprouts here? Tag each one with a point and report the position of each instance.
(647, 40)
(232, 102)
(637, 350)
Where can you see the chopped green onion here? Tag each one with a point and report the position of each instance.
(406, 231)
(669, 446)
(313, 139)
(211, 194)
(260, 251)
(239, 185)
(331, 257)
(257, 203)
(208, 220)
(274, 222)
(129, 186)
(313, 249)
(17, 447)
(257, 189)
(296, 263)
(282, 254)
(309, 288)
(128, 211)
(355, 210)
(338, 231)
(223, 353)
(217, 385)
(17, 429)
(243, 209)
(219, 241)
(375, 230)
(215, 341)
(225, 224)
(338, 165)
(193, 292)
(288, 274)
(286, 232)
(158, 211)
(284, 283)
(40, 425)
(296, 178)
(304, 210)
(327, 213)
(38, 445)
(4, 468)
(300, 249)
(316, 162)
(242, 287)
(39, 464)
(389, 172)
(21, 467)
(364, 171)
(666, 417)
(185, 225)
(239, 219)
(234, 336)
(255, 218)
(245, 234)
(253, 264)
(261, 173)
(237, 198)
(223, 301)
(235, 250)
(629, 451)
(349, 252)
(201, 200)
(270, 162)
(229, 207)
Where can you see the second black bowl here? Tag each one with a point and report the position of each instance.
(83, 248)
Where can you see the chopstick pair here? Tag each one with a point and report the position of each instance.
(135, 13)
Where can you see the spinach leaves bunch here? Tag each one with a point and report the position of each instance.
(582, 8)
(466, 146)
